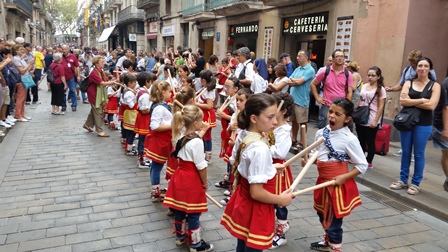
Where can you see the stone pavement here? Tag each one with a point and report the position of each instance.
(63, 189)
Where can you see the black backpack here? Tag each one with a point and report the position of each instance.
(327, 71)
(50, 75)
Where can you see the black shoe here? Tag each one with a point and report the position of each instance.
(320, 246)
(223, 184)
(203, 246)
(63, 109)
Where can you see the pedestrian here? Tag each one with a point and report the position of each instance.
(440, 132)
(130, 105)
(18, 52)
(260, 82)
(279, 149)
(158, 142)
(205, 103)
(97, 99)
(197, 66)
(48, 60)
(59, 85)
(423, 93)
(145, 80)
(281, 82)
(333, 203)
(250, 212)
(285, 59)
(71, 66)
(245, 69)
(373, 95)
(33, 90)
(40, 65)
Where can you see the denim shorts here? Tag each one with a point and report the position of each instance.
(437, 140)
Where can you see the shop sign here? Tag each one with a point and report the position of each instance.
(132, 37)
(311, 23)
(207, 34)
(244, 29)
(168, 31)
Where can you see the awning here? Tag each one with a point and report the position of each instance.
(151, 36)
(106, 33)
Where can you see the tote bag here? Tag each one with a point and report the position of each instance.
(27, 81)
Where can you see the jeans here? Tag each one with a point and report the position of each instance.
(417, 138)
(154, 173)
(242, 247)
(281, 212)
(366, 137)
(72, 92)
(141, 144)
(208, 145)
(335, 231)
(130, 136)
(192, 219)
(322, 120)
(110, 118)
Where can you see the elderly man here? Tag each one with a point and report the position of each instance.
(245, 69)
(71, 66)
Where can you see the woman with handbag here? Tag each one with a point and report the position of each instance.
(97, 96)
(17, 52)
(373, 95)
(421, 93)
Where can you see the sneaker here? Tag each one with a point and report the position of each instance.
(132, 153)
(37, 102)
(370, 166)
(3, 124)
(11, 119)
(224, 201)
(144, 165)
(398, 153)
(27, 117)
(320, 246)
(27, 103)
(278, 241)
(9, 122)
(73, 109)
(223, 184)
(170, 212)
(63, 109)
(22, 120)
(226, 193)
(201, 246)
(445, 185)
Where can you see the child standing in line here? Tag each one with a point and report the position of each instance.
(113, 93)
(279, 150)
(249, 215)
(187, 82)
(145, 80)
(333, 203)
(205, 103)
(158, 142)
(130, 112)
(186, 191)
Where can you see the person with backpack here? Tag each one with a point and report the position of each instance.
(58, 83)
(11, 77)
(338, 82)
(245, 69)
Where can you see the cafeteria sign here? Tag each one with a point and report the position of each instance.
(312, 23)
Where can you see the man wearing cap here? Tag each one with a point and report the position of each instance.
(71, 67)
(285, 59)
(29, 56)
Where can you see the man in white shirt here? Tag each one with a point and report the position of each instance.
(245, 69)
(127, 56)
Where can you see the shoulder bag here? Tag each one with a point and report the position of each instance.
(361, 113)
(27, 81)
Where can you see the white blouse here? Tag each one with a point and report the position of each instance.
(241, 135)
(256, 163)
(194, 151)
(143, 102)
(129, 98)
(207, 95)
(277, 82)
(160, 116)
(283, 142)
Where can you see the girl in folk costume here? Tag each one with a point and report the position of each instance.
(236, 136)
(175, 85)
(279, 150)
(231, 87)
(158, 142)
(186, 191)
(205, 103)
(249, 215)
(145, 80)
(120, 113)
(113, 93)
(130, 112)
(332, 203)
(187, 82)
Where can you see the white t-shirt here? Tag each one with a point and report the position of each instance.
(160, 116)
(283, 142)
(277, 82)
(256, 163)
(259, 84)
(194, 151)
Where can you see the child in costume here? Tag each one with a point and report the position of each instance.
(186, 190)
(249, 215)
(113, 93)
(130, 112)
(158, 142)
(333, 203)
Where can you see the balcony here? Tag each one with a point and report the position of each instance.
(235, 7)
(281, 3)
(147, 4)
(22, 8)
(38, 4)
(200, 12)
(130, 14)
(112, 4)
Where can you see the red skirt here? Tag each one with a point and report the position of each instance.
(284, 180)
(250, 220)
(210, 117)
(225, 137)
(142, 124)
(185, 191)
(120, 112)
(171, 167)
(158, 146)
(112, 106)
(228, 153)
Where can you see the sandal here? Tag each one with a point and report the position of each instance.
(102, 134)
(413, 190)
(397, 185)
(87, 128)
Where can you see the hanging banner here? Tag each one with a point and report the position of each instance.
(267, 48)
(344, 32)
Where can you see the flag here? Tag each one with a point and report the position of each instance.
(87, 14)
(98, 21)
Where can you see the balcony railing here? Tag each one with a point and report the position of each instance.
(222, 3)
(147, 4)
(112, 3)
(196, 9)
(39, 5)
(130, 13)
(23, 6)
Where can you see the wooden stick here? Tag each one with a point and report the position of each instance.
(178, 103)
(280, 106)
(315, 187)
(305, 151)
(304, 170)
(203, 90)
(227, 102)
(171, 82)
(213, 200)
(123, 86)
(303, 128)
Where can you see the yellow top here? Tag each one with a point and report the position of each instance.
(39, 60)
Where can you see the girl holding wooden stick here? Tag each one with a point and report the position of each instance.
(333, 203)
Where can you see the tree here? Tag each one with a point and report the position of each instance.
(65, 14)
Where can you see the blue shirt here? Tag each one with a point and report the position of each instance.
(289, 69)
(409, 73)
(301, 93)
(151, 64)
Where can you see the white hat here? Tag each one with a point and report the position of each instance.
(20, 40)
